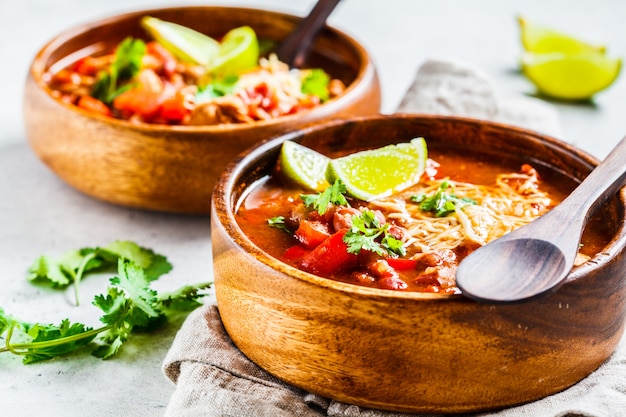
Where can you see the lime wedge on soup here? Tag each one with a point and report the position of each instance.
(377, 173)
(571, 76)
(238, 51)
(185, 43)
(304, 166)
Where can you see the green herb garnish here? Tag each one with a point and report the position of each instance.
(219, 87)
(128, 304)
(367, 233)
(71, 267)
(442, 202)
(279, 223)
(125, 66)
(331, 195)
(316, 83)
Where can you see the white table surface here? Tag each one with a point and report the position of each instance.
(39, 214)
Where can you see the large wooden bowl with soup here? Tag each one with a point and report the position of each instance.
(422, 347)
(170, 167)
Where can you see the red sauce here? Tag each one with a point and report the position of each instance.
(315, 243)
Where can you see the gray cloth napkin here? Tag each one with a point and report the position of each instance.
(214, 379)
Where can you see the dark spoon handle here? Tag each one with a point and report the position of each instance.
(294, 50)
(600, 185)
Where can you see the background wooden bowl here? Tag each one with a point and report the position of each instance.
(410, 351)
(172, 168)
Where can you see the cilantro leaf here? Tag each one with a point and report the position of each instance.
(366, 233)
(217, 88)
(47, 270)
(154, 265)
(129, 304)
(132, 284)
(442, 202)
(335, 194)
(74, 265)
(65, 330)
(278, 222)
(185, 298)
(316, 84)
(125, 66)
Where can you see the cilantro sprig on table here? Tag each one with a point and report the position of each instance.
(443, 201)
(128, 304)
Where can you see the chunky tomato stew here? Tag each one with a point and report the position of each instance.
(412, 241)
(145, 82)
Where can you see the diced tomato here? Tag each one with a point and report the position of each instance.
(402, 264)
(139, 101)
(331, 255)
(168, 60)
(94, 105)
(312, 233)
(392, 283)
(174, 109)
(295, 253)
(87, 66)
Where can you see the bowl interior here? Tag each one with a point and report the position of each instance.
(557, 162)
(336, 52)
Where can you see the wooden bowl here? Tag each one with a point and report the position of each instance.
(416, 352)
(172, 168)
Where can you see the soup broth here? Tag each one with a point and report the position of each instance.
(434, 244)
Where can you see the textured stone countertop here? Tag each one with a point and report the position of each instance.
(40, 214)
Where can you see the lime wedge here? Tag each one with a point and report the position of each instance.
(238, 51)
(571, 76)
(377, 173)
(304, 166)
(541, 39)
(185, 43)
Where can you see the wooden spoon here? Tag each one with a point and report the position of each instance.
(536, 258)
(296, 47)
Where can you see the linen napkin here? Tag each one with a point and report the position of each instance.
(214, 379)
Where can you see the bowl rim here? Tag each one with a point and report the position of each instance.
(223, 202)
(38, 67)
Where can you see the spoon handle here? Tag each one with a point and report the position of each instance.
(295, 48)
(600, 185)
(564, 224)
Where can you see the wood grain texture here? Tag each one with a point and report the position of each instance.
(409, 351)
(163, 168)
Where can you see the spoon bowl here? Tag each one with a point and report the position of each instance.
(536, 258)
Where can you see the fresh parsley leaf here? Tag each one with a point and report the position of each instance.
(316, 84)
(54, 272)
(185, 298)
(441, 202)
(278, 222)
(65, 331)
(335, 194)
(126, 64)
(217, 88)
(153, 264)
(129, 304)
(132, 284)
(366, 233)
(74, 265)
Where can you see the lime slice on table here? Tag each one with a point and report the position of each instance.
(238, 51)
(304, 166)
(571, 76)
(185, 43)
(540, 39)
(377, 173)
